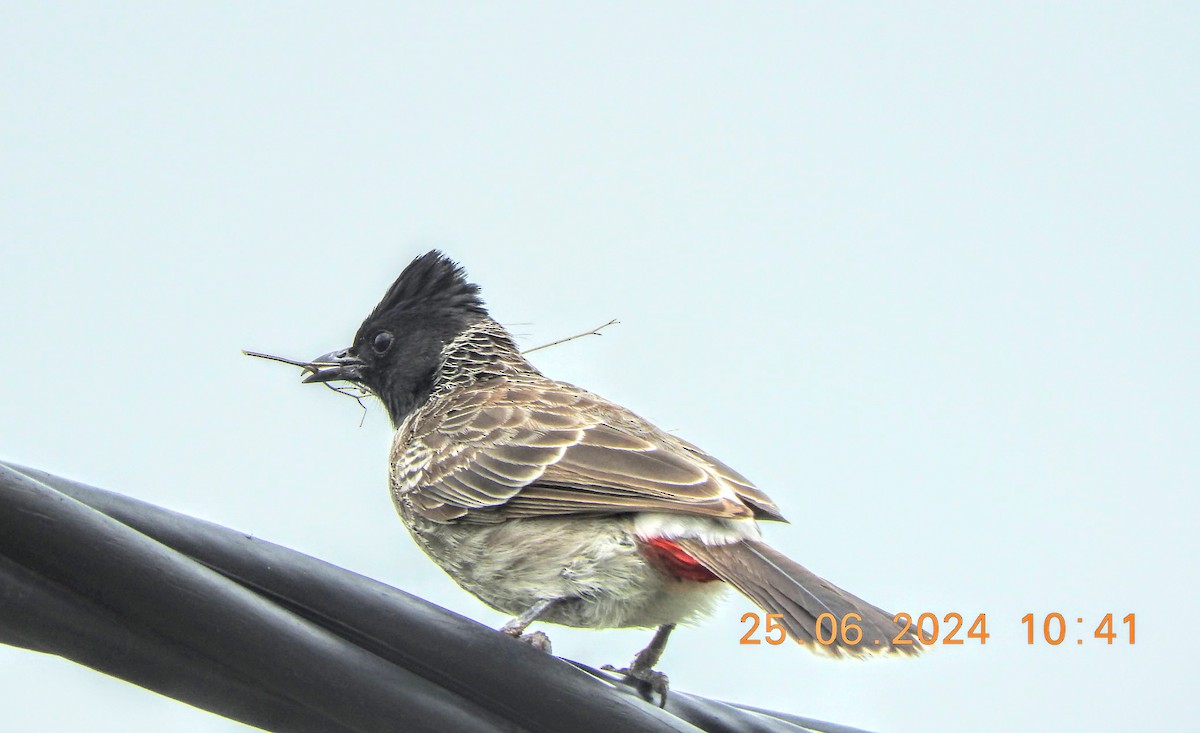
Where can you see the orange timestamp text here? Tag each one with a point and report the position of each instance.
(929, 629)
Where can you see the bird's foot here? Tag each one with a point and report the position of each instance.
(647, 681)
(538, 640)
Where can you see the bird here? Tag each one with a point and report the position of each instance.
(550, 503)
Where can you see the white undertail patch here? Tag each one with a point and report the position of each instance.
(709, 530)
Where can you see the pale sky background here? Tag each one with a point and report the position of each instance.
(927, 274)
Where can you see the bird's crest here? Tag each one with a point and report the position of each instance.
(432, 281)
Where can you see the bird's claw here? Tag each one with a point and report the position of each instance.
(647, 682)
(536, 639)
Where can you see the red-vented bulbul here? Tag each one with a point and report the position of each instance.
(550, 503)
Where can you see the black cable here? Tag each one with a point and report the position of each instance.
(283, 641)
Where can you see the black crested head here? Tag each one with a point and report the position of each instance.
(398, 349)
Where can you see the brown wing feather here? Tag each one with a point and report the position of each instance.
(496, 451)
(780, 585)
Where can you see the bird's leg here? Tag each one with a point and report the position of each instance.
(516, 627)
(642, 669)
(645, 660)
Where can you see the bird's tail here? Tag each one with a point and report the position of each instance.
(814, 611)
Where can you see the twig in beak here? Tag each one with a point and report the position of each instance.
(357, 393)
(307, 366)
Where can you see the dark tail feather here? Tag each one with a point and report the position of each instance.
(780, 585)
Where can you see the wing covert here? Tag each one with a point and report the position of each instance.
(501, 452)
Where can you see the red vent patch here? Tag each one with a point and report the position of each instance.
(670, 558)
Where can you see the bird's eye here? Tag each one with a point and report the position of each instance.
(382, 342)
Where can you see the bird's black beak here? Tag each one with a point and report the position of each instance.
(336, 366)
